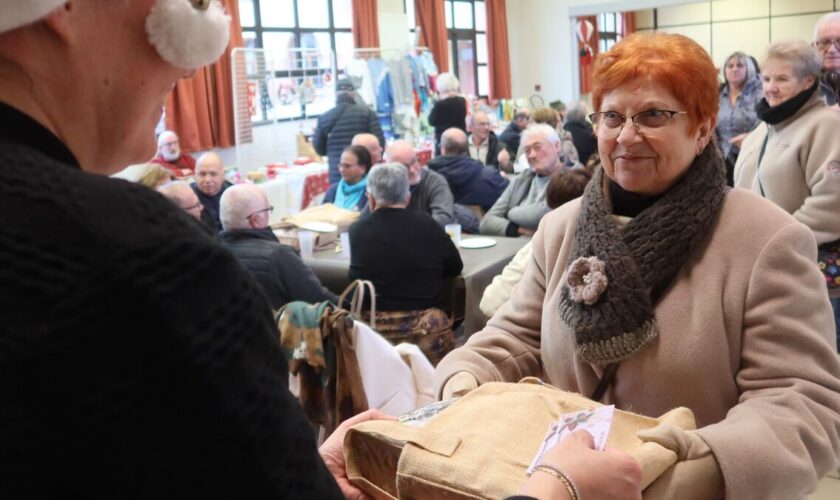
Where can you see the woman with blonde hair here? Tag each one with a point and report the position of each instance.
(660, 288)
(740, 92)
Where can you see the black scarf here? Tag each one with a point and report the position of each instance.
(773, 115)
(638, 260)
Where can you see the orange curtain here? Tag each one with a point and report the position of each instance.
(200, 110)
(628, 23)
(497, 46)
(431, 19)
(587, 34)
(365, 24)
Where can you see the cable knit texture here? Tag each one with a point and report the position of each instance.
(640, 259)
(137, 359)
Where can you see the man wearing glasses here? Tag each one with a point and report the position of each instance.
(827, 41)
(279, 270)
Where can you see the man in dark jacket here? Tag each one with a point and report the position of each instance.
(279, 270)
(471, 182)
(513, 132)
(337, 127)
(484, 146)
(583, 136)
(209, 185)
(827, 42)
(139, 359)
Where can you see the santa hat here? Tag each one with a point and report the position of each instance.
(186, 33)
(14, 13)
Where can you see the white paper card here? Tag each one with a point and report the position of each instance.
(597, 422)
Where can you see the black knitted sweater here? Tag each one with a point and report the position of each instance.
(137, 360)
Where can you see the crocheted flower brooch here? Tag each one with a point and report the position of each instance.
(586, 279)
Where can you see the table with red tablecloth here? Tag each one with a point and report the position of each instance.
(293, 188)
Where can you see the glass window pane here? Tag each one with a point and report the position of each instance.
(481, 48)
(610, 24)
(313, 14)
(279, 44)
(284, 98)
(318, 50)
(448, 7)
(277, 13)
(466, 66)
(409, 13)
(483, 81)
(480, 16)
(342, 14)
(463, 15)
(246, 13)
(343, 48)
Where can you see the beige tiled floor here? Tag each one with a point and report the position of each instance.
(829, 488)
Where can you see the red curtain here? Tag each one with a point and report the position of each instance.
(628, 23)
(200, 110)
(587, 34)
(431, 19)
(498, 64)
(365, 24)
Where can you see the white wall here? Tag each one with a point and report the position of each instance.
(542, 46)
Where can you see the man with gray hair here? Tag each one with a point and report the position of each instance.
(484, 146)
(827, 41)
(519, 210)
(181, 194)
(403, 252)
(583, 136)
(279, 270)
(170, 156)
(429, 192)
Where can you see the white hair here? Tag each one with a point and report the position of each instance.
(804, 58)
(447, 83)
(831, 17)
(176, 191)
(388, 184)
(547, 132)
(165, 135)
(237, 203)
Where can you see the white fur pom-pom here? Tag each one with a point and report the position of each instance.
(187, 37)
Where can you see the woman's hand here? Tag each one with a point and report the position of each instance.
(458, 385)
(332, 451)
(738, 139)
(605, 475)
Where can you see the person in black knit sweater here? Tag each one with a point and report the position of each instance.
(405, 253)
(137, 359)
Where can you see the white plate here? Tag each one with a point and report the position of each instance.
(477, 242)
(319, 227)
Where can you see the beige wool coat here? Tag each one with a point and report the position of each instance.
(800, 169)
(746, 342)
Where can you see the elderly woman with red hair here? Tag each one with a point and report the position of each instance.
(661, 288)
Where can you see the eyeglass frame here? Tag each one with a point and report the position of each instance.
(269, 210)
(828, 42)
(594, 116)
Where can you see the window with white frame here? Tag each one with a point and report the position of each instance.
(282, 26)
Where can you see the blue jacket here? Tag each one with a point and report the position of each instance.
(329, 196)
(471, 182)
(337, 127)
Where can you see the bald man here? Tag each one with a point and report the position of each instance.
(209, 185)
(471, 182)
(429, 191)
(279, 270)
(170, 156)
(181, 194)
(371, 143)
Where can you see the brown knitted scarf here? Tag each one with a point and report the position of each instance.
(640, 259)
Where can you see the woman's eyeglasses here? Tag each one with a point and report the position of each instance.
(610, 123)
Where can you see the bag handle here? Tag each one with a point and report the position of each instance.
(357, 300)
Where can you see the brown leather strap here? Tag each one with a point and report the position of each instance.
(606, 381)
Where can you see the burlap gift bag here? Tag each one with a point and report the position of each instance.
(481, 446)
